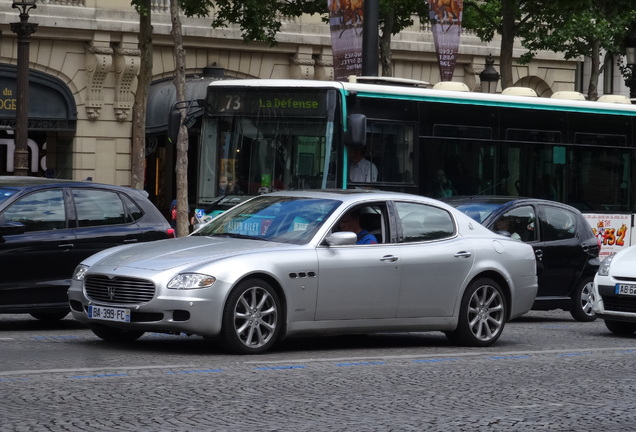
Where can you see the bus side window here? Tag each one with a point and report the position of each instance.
(389, 147)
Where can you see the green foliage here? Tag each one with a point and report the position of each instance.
(574, 28)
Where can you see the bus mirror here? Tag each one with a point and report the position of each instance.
(174, 122)
(357, 130)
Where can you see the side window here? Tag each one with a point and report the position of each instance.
(421, 222)
(388, 156)
(558, 224)
(39, 211)
(519, 223)
(368, 222)
(134, 212)
(97, 207)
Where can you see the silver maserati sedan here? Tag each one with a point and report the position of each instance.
(318, 262)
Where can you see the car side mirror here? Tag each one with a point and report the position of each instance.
(341, 238)
(12, 228)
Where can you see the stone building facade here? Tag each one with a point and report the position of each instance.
(88, 50)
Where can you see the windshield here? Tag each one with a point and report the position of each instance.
(6, 193)
(478, 211)
(279, 219)
(256, 141)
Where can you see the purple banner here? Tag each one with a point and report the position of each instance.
(345, 21)
(446, 20)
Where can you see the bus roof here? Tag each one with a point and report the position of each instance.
(397, 91)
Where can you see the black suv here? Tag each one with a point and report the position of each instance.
(48, 226)
(564, 244)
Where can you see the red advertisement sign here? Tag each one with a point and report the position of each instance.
(446, 19)
(612, 230)
(345, 21)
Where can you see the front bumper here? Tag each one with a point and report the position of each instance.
(197, 311)
(611, 306)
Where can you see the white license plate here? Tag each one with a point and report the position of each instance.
(625, 289)
(109, 313)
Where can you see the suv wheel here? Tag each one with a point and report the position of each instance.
(582, 301)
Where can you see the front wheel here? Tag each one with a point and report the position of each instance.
(482, 315)
(112, 334)
(620, 328)
(251, 318)
(582, 302)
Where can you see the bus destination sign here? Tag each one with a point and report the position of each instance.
(267, 103)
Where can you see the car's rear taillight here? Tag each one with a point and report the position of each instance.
(598, 240)
(171, 233)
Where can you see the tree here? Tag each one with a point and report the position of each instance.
(507, 18)
(395, 16)
(182, 139)
(138, 163)
(590, 28)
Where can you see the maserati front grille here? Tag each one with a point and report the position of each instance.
(118, 290)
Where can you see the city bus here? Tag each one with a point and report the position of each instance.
(260, 135)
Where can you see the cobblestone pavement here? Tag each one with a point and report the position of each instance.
(546, 373)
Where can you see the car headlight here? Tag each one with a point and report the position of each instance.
(604, 269)
(79, 272)
(191, 281)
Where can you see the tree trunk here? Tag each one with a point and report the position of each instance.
(141, 99)
(508, 33)
(385, 44)
(595, 71)
(183, 224)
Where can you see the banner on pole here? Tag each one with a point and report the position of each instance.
(345, 20)
(446, 20)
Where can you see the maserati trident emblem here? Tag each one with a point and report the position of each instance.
(111, 292)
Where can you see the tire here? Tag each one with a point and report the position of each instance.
(620, 328)
(482, 315)
(49, 316)
(582, 301)
(252, 318)
(112, 334)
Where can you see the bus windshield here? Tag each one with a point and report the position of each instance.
(256, 141)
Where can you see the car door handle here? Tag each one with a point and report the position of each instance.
(66, 246)
(133, 240)
(539, 254)
(463, 255)
(389, 258)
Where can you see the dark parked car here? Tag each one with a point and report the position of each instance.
(564, 245)
(49, 226)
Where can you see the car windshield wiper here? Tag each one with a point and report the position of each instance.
(241, 236)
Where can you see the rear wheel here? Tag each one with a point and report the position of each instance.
(482, 315)
(112, 334)
(582, 301)
(49, 316)
(620, 328)
(251, 318)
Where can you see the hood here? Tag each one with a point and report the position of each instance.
(623, 262)
(164, 255)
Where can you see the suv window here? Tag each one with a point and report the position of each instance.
(134, 211)
(97, 207)
(39, 211)
(558, 224)
(423, 222)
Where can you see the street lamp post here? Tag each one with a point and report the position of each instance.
(23, 30)
(630, 54)
(489, 76)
